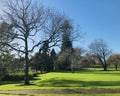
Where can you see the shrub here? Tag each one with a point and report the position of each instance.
(16, 77)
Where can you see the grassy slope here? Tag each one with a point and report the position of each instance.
(79, 80)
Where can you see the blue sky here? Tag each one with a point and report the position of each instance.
(99, 19)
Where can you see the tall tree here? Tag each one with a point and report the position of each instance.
(100, 49)
(66, 48)
(66, 35)
(44, 55)
(69, 34)
(33, 26)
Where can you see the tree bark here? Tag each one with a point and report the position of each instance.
(105, 68)
(116, 67)
(26, 77)
(105, 64)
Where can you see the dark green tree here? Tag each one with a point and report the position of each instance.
(53, 60)
(6, 36)
(45, 59)
(19, 63)
(41, 60)
(66, 48)
(38, 62)
(66, 35)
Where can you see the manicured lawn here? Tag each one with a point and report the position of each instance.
(80, 80)
(65, 95)
(86, 79)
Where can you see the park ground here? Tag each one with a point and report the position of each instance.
(87, 82)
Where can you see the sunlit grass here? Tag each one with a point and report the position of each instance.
(83, 80)
(63, 95)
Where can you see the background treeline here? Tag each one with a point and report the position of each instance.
(67, 59)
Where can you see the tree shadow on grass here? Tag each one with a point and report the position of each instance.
(10, 82)
(76, 83)
(18, 83)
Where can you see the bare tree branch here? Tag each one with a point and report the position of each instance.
(11, 46)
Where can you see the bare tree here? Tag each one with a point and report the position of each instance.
(52, 29)
(100, 49)
(114, 59)
(33, 25)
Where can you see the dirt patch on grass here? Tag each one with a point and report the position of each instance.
(22, 92)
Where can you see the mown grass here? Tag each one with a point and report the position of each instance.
(80, 80)
(63, 95)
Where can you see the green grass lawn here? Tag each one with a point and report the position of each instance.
(83, 80)
(64, 95)
(86, 79)
(80, 80)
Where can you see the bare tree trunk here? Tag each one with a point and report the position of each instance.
(26, 77)
(105, 68)
(105, 65)
(116, 67)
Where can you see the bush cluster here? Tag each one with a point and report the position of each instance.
(17, 77)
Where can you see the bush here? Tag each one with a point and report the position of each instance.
(16, 77)
(13, 78)
(3, 72)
